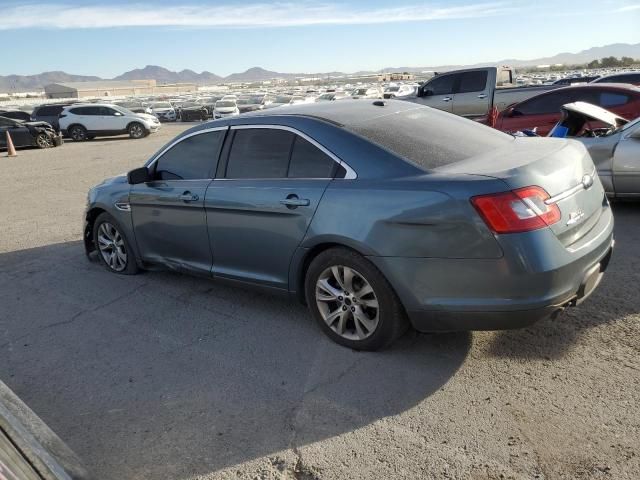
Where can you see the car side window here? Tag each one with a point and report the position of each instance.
(5, 122)
(613, 99)
(442, 85)
(259, 153)
(552, 102)
(473, 81)
(106, 111)
(193, 158)
(308, 161)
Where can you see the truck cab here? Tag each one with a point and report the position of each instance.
(468, 92)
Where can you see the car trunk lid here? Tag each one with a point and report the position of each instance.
(563, 168)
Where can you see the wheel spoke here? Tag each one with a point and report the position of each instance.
(348, 279)
(372, 303)
(325, 292)
(331, 318)
(360, 318)
(338, 276)
(364, 291)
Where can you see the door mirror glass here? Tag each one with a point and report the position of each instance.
(139, 175)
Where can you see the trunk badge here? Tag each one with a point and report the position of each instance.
(574, 217)
(587, 181)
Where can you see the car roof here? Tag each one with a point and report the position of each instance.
(615, 86)
(343, 113)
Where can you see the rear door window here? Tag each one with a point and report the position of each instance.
(260, 153)
(552, 102)
(613, 99)
(473, 81)
(193, 158)
(308, 161)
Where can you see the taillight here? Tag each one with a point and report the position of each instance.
(520, 210)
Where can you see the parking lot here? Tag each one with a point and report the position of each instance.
(164, 376)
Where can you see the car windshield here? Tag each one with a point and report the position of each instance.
(225, 104)
(360, 91)
(282, 99)
(190, 104)
(244, 101)
(393, 89)
(161, 105)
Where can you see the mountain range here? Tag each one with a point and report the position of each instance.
(23, 83)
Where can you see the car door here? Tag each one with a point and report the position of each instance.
(262, 201)
(85, 116)
(438, 93)
(111, 120)
(473, 94)
(626, 162)
(168, 212)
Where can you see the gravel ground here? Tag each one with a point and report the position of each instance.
(163, 376)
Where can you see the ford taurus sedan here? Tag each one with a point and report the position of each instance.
(377, 214)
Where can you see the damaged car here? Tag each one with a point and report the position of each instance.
(612, 141)
(28, 134)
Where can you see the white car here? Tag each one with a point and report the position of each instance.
(164, 111)
(399, 91)
(225, 108)
(367, 92)
(86, 121)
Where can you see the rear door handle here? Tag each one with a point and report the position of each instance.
(188, 197)
(482, 95)
(446, 99)
(292, 201)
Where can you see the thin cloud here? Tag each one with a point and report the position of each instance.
(629, 8)
(257, 15)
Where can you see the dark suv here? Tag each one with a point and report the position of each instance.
(49, 113)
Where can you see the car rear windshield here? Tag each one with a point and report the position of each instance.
(430, 138)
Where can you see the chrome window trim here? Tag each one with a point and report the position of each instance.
(350, 173)
(175, 142)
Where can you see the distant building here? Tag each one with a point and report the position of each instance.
(114, 88)
(393, 77)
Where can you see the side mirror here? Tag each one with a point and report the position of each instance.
(139, 175)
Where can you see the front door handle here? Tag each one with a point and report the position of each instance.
(447, 99)
(292, 201)
(188, 197)
(482, 95)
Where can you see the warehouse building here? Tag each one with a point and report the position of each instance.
(115, 88)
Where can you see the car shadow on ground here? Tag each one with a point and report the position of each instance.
(162, 375)
(615, 299)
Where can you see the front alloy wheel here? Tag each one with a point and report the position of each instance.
(44, 141)
(136, 130)
(347, 302)
(112, 247)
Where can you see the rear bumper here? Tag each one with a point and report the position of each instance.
(536, 278)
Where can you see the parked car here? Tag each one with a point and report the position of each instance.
(87, 121)
(164, 111)
(367, 92)
(398, 91)
(251, 103)
(192, 111)
(473, 92)
(135, 107)
(28, 134)
(377, 214)
(209, 103)
(16, 115)
(543, 111)
(632, 78)
(225, 108)
(49, 113)
(332, 96)
(574, 80)
(614, 148)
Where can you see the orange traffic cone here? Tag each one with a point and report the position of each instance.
(11, 150)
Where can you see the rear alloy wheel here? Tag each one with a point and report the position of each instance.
(44, 141)
(136, 130)
(113, 248)
(78, 133)
(352, 301)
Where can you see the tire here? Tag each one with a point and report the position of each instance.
(78, 133)
(112, 245)
(136, 130)
(44, 141)
(362, 321)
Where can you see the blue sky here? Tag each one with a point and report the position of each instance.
(109, 37)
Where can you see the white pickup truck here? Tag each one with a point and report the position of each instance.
(473, 92)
